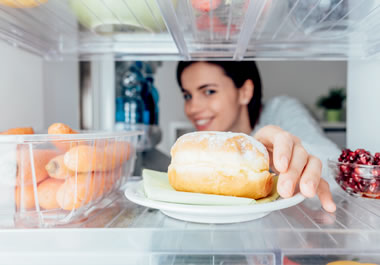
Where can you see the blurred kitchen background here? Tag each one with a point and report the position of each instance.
(69, 97)
(309, 81)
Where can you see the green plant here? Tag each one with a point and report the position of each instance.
(334, 100)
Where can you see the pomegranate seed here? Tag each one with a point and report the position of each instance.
(376, 172)
(345, 169)
(365, 159)
(360, 151)
(352, 157)
(343, 156)
(364, 185)
(373, 187)
(377, 159)
(356, 177)
(378, 186)
(358, 170)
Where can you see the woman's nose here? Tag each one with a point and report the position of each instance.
(194, 106)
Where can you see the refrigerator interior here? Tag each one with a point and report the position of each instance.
(65, 32)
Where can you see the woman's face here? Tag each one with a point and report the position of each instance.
(212, 102)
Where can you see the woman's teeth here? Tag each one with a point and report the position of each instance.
(202, 122)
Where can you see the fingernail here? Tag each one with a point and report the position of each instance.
(310, 184)
(287, 187)
(331, 207)
(284, 163)
(309, 188)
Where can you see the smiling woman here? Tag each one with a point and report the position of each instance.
(226, 96)
(219, 95)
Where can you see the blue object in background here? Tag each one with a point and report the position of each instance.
(120, 114)
(133, 105)
(156, 98)
(139, 103)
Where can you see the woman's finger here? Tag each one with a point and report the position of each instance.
(267, 134)
(288, 180)
(325, 196)
(311, 176)
(282, 151)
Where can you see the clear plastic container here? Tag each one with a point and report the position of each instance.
(150, 137)
(51, 180)
(356, 179)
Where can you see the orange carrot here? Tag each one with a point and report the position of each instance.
(79, 190)
(24, 130)
(85, 158)
(57, 169)
(47, 193)
(26, 194)
(24, 165)
(60, 128)
(108, 180)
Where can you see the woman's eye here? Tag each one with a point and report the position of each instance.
(186, 96)
(209, 92)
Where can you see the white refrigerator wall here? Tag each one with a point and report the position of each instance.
(36, 93)
(61, 93)
(21, 89)
(363, 105)
(303, 80)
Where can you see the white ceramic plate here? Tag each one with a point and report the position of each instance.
(209, 214)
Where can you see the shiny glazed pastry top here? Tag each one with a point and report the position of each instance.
(222, 163)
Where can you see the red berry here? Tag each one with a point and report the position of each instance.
(345, 169)
(364, 184)
(376, 172)
(358, 171)
(373, 187)
(344, 155)
(356, 177)
(206, 5)
(352, 156)
(365, 159)
(360, 151)
(377, 159)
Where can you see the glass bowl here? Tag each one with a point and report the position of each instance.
(356, 179)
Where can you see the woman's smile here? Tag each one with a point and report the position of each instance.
(202, 124)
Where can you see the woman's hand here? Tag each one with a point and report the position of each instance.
(296, 167)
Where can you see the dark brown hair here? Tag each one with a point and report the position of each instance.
(239, 72)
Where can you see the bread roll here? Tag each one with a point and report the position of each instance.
(222, 163)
